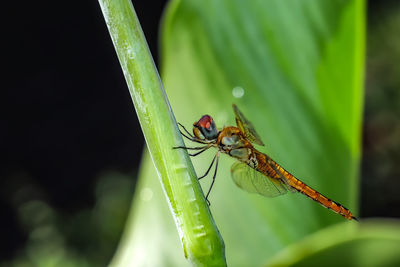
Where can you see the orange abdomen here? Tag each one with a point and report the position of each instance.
(274, 170)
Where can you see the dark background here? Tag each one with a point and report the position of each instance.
(68, 125)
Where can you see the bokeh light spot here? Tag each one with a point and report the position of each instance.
(238, 92)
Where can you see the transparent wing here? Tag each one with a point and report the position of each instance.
(246, 127)
(253, 181)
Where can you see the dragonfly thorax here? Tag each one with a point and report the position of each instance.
(231, 137)
(231, 142)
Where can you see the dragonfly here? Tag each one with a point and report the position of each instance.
(254, 172)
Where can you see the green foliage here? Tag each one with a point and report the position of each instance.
(373, 243)
(300, 66)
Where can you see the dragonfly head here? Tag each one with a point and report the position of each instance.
(205, 128)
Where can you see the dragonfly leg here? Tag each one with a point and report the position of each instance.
(202, 148)
(190, 136)
(192, 139)
(209, 168)
(189, 148)
(213, 179)
(188, 133)
(187, 137)
(198, 153)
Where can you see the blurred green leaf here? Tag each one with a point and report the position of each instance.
(374, 243)
(300, 66)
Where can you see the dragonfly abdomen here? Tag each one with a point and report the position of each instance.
(274, 170)
(264, 167)
(318, 197)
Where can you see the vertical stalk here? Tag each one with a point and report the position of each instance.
(199, 235)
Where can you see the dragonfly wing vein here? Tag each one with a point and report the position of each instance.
(253, 181)
(246, 127)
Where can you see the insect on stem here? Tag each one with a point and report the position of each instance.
(254, 171)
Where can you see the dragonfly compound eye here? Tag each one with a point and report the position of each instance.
(205, 128)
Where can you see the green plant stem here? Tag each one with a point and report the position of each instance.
(199, 235)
